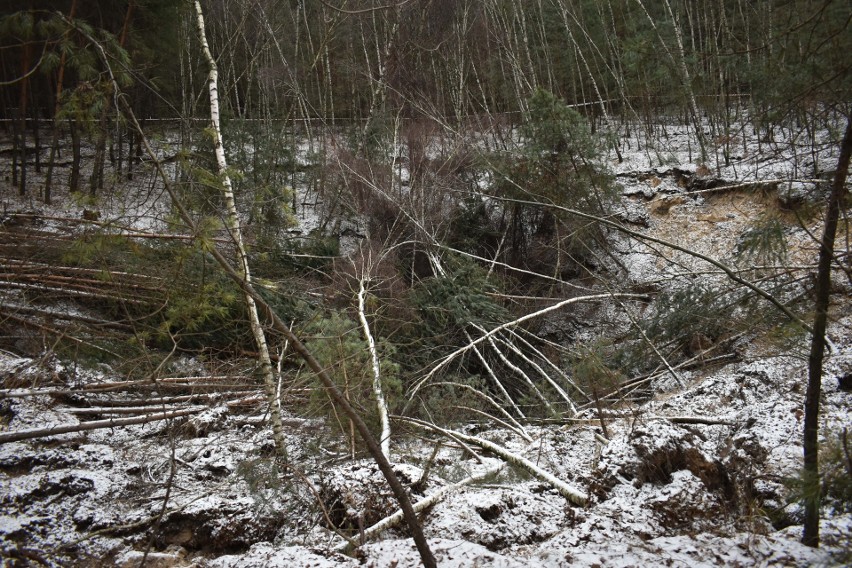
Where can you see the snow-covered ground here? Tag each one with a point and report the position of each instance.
(699, 475)
(664, 491)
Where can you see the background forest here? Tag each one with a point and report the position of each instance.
(412, 216)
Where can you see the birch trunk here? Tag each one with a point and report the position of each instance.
(573, 495)
(493, 376)
(377, 376)
(680, 62)
(687, 83)
(233, 224)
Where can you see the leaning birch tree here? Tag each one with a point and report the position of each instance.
(253, 299)
(378, 391)
(232, 221)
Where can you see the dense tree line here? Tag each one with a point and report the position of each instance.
(364, 64)
(363, 59)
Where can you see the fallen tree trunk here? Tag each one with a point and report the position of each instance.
(573, 495)
(7, 437)
(394, 519)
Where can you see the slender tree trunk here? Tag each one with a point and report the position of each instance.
(378, 392)
(22, 121)
(96, 181)
(36, 139)
(54, 142)
(74, 180)
(233, 224)
(686, 78)
(601, 102)
(810, 443)
(131, 136)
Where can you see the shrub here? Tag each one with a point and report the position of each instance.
(448, 305)
(558, 162)
(337, 343)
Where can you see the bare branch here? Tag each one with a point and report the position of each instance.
(364, 10)
(446, 360)
(6, 437)
(573, 495)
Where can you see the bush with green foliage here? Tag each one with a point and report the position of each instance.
(338, 344)
(593, 370)
(192, 302)
(450, 304)
(763, 243)
(684, 313)
(266, 168)
(836, 465)
(558, 162)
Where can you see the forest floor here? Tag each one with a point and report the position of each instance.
(702, 473)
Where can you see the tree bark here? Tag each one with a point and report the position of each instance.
(96, 180)
(76, 156)
(7, 437)
(22, 121)
(810, 535)
(378, 392)
(233, 224)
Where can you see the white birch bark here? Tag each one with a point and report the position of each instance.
(233, 225)
(381, 404)
(573, 495)
(516, 426)
(472, 344)
(687, 82)
(493, 376)
(564, 10)
(550, 363)
(520, 372)
(680, 62)
(514, 348)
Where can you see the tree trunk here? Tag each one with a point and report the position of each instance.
(7, 437)
(74, 180)
(378, 392)
(686, 78)
(48, 176)
(22, 121)
(810, 443)
(54, 142)
(96, 181)
(36, 140)
(233, 224)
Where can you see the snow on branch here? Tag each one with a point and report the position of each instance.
(573, 495)
(526, 317)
